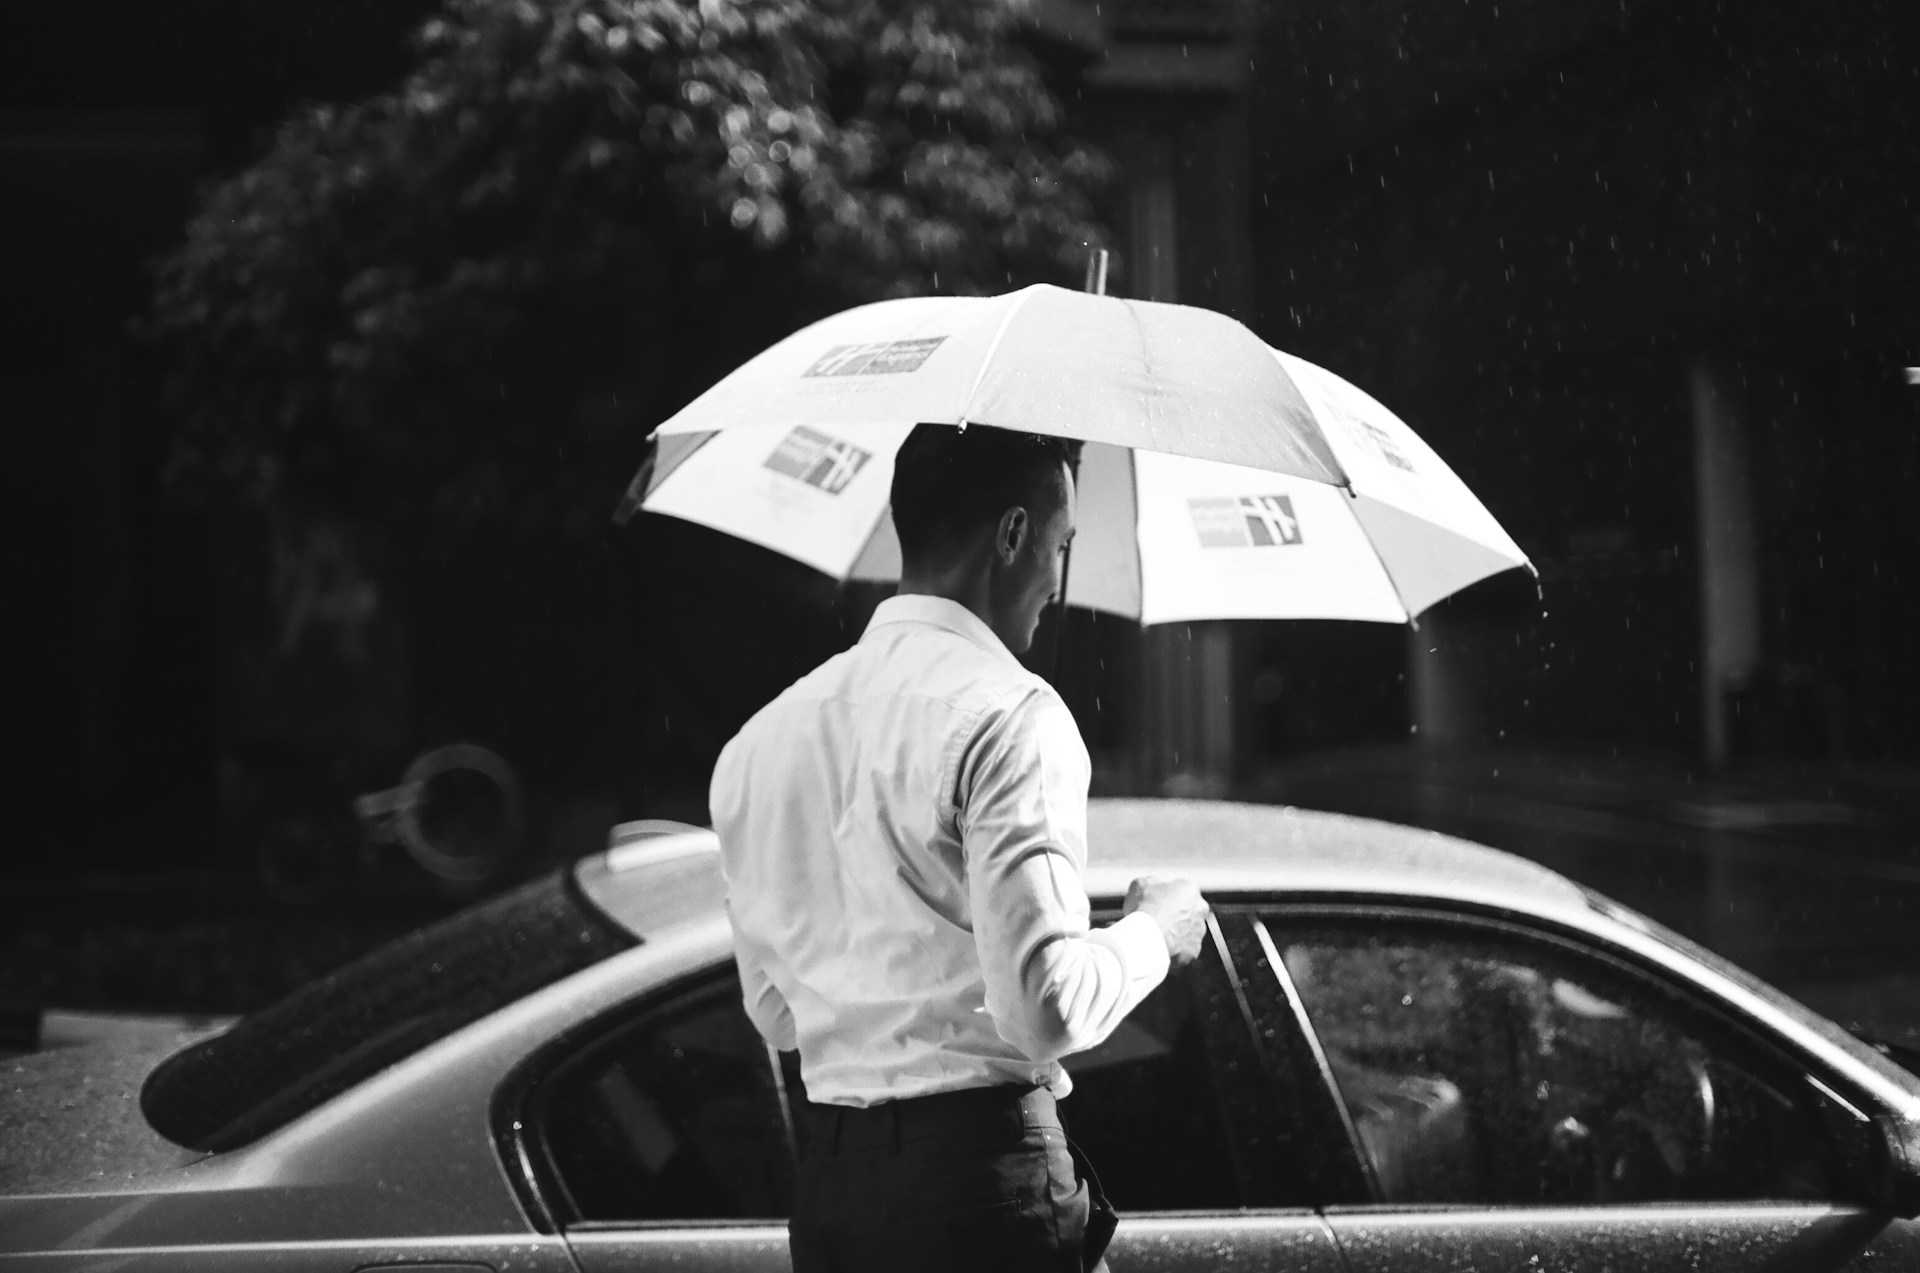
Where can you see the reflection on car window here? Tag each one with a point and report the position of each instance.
(1146, 1110)
(677, 1117)
(1480, 1067)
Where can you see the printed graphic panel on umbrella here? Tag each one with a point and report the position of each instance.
(875, 358)
(1245, 521)
(896, 362)
(1219, 541)
(811, 493)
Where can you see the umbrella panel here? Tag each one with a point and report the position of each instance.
(1161, 538)
(1388, 463)
(1140, 374)
(1219, 541)
(1106, 557)
(1429, 562)
(908, 360)
(812, 495)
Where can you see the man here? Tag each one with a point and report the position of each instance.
(904, 834)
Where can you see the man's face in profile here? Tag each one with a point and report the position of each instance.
(1033, 580)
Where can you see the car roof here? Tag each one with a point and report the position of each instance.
(1230, 846)
(658, 874)
(652, 882)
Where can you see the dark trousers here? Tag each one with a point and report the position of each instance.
(969, 1180)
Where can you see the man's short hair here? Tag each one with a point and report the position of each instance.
(949, 482)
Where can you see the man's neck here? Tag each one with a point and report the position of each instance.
(965, 583)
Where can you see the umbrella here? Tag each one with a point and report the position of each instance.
(1221, 478)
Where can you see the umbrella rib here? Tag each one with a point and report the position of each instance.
(1375, 550)
(647, 480)
(986, 360)
(1146, 368)
(1139, 552)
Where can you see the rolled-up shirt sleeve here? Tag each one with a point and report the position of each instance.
(1054, 986)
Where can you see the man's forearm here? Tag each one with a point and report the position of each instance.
(1073, 991)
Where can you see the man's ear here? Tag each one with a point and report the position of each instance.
(1011, 534)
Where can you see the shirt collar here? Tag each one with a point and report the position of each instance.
(941, 613)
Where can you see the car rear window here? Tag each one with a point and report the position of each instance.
(274, 1065)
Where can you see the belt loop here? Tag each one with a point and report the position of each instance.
(839, 1120)
(893, 1127)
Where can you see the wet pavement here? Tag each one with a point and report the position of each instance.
(1810, 878)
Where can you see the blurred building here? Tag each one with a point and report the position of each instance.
(1642, 272)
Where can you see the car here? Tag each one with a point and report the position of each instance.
(1397, 1050)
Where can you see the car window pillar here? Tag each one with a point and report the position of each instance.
(1315, 1142)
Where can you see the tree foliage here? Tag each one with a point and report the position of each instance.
(469, 298)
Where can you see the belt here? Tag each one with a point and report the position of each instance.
(968, 1113)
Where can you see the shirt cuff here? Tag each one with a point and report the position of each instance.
(1141, 946)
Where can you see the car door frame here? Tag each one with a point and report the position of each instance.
(1271, 1230)
(1293, 1234)
(517, 1118)
(1374, 1235)
(1248, 1128)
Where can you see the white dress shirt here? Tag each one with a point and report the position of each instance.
(904, 834)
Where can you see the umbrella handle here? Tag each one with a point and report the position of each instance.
(1097, 284)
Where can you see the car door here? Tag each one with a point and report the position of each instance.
(1179, 1115)
(666, 1138)
(1517, 1099)
(660, 1138)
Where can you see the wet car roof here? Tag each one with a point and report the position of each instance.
(1251, 846)
(1227, 847)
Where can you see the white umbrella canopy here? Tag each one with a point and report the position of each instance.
(1320, 504)
(1170, 378)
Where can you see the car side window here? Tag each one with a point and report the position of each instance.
(676, 1116)
(1150, 1105)
(1481, 1066)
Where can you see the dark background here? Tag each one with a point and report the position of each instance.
(1642, 272)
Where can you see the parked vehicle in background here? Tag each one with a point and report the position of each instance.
(1399, 1051)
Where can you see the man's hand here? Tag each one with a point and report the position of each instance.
(1176, 905)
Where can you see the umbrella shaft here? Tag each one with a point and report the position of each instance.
(1097, 272)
